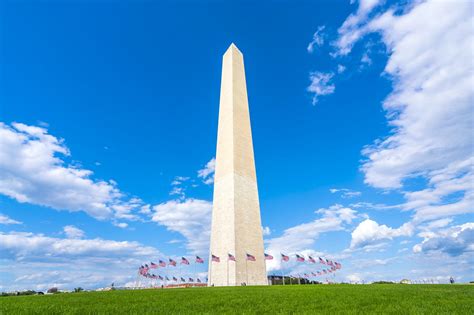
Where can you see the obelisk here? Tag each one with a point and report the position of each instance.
(236, 223)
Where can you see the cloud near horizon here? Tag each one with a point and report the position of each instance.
(33, 170)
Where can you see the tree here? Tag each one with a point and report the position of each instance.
(53, 290)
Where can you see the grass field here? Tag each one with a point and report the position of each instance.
(307, 299)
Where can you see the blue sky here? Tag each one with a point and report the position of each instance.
(361, 120)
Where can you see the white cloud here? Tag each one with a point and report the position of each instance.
(353, 27)
(454, 241)
(341, 68)
(178, 180)
(430, 109)
(345, 192)
(39, 262)
(369, 233)
(146, 209)
(266, 231)
(355, 277)
(207, 173)
(366, 59)
(318, 39)
(32, 170)
(320, 85)
(4, 219)
(177, 186)
(26, 246)
(73, 232)
(189, 217)
(121, 225)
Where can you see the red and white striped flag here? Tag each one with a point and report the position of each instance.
(299, 258)
(172, 262)
(153, 265)
(184, 261)
(321, 261)
(162, 263)
(251, 257)
(311, 260)
(230, 257)
(268, 256)
(199, 260)
(215, 258)
(284, 257)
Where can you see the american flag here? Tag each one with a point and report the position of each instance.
(329, 270)
(184, 261)
(160, 277)
(172, 262)
(322, 261)
(299, 258)
(284, 257)
(328, 262)
(338, 265)
(162, 263)
(183, 280)
(199, 260)
(231, 257)
(215, 258)
(324, 271)
(175, 279)
(318, 273)
(250, 257)
(167, 279)
(268, 256)
(306, 275)
(313, 274)
(191, 280)
(311, 260)
(198, 280)
(153, 265)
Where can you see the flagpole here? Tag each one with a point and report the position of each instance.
(138, 277)
(246, 270)
(179, 270)
(209, 272)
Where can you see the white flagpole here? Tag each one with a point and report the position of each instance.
(195, 272)
(246, 270)
(209, 272)
(138, 277)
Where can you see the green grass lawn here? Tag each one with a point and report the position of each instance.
(308, 299)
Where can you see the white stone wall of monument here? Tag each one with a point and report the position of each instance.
(236, 223)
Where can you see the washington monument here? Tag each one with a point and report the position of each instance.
(236, 224)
